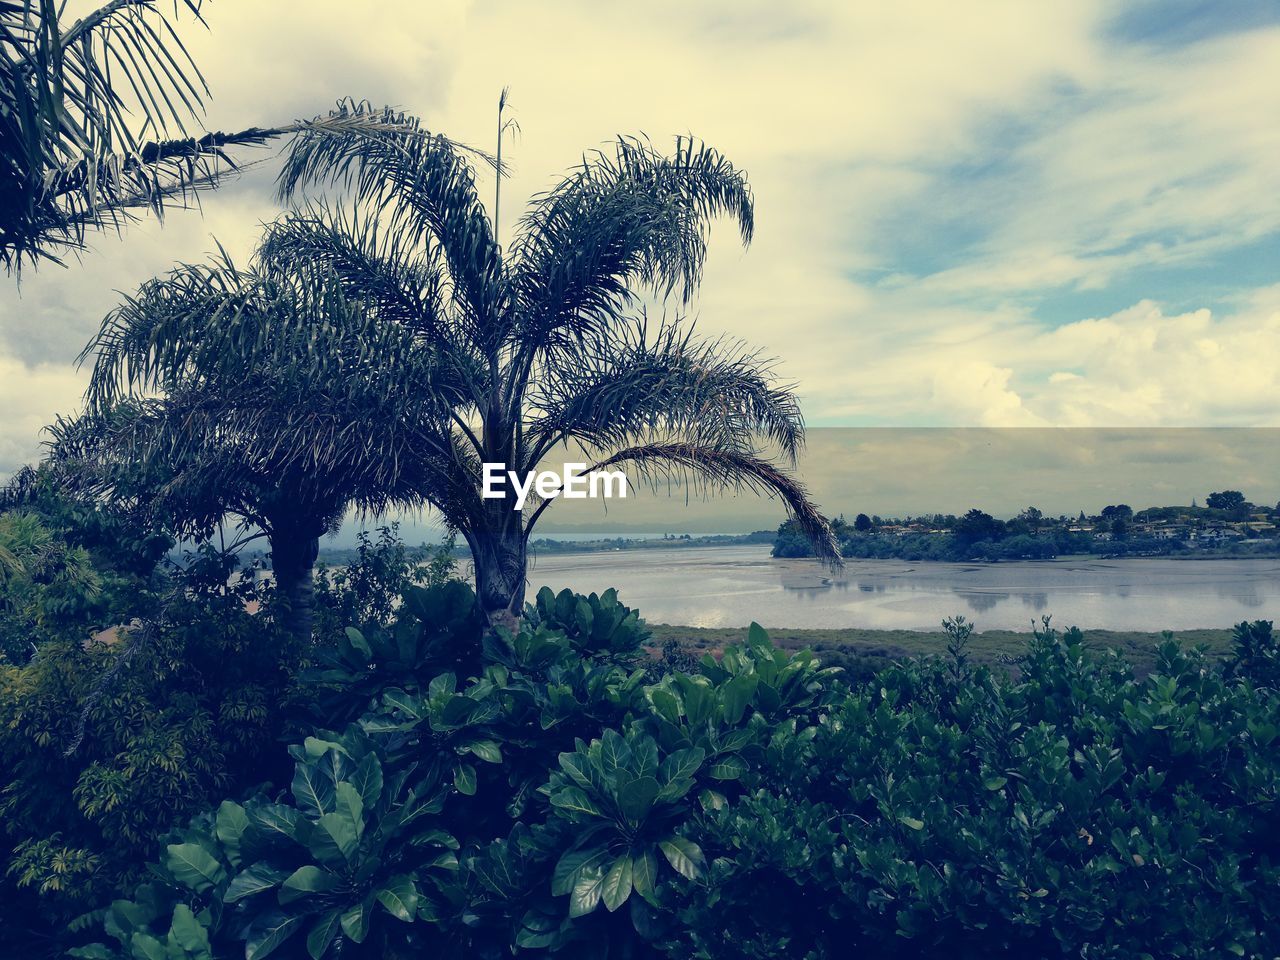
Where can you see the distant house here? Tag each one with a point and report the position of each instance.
(1214, 533)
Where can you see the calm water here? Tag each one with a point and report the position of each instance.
(731, 586)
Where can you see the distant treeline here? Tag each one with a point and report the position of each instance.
(346, 556)
(548, 545)
(1227, 525)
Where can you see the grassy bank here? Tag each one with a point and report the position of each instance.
(854, 646)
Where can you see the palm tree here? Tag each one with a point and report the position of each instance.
(251, 410)
(449, 353)
(545, 344)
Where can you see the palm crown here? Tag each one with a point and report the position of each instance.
(426, 350)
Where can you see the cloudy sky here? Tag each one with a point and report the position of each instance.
(996, 213)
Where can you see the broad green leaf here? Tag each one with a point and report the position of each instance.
(305, 881)
(312, 790)
(418, 805)
(405, 703)
(575, 766)
(358, 642)
(665, 705)
(442, 686)
(586, 893)
(146, 947)
(350, 804)
(367, 778)
(254, 879)
(355, 920)
(322, 934)
(276, 819)
(729, 767)
(644, 873)
(995, 783)
(684, 855)
(912, 822)
(316, 747)
(617, 883)
(126, 916)
(614, 752)
(334, 833)
(400, 898)
(188, 933)
(193, 866)
(736, 696)
(486, 750)
(268, 933)
(464, 778)
(767, 697)
(574, 801)
(570, 867)
(712, 800)
(537, 931)
(229, 826)
(699, 698)
(635, 798)
(681, 764)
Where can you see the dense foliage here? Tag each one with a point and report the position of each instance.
(540, 792)
(553, 789)
(67, 567)
(107, 744)
(95, 120)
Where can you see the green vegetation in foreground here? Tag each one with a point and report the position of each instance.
(852, 647)
(552, 790)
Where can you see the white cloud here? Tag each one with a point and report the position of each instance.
(1082, 161)
(29, 395)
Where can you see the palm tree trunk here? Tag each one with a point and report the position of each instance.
(293, 558)
(499, 556)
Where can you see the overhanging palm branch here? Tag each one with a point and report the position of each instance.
(99, 122)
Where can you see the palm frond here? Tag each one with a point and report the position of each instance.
(386, 159)
(633, 218)
(702, 468)
(81, 105)
(631, 388)
(392, 271)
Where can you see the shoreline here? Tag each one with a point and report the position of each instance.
(989, 647)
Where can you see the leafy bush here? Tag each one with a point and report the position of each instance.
(554, 802)
(367, 590)
(1256, 654)
(67, 565)
(107, 745)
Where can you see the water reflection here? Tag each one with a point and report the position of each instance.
(733, 586)
(982, 602)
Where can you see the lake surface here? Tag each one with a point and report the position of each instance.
(731, 586)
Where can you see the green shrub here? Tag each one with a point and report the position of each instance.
(106, 746)
(554, 802)
(68, 566)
